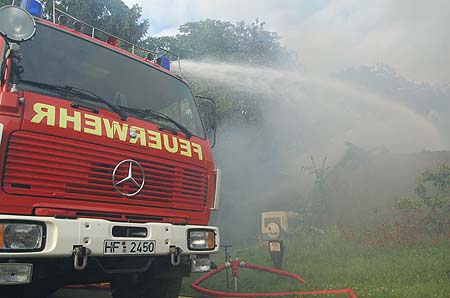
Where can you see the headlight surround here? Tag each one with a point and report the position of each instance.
(21, 236)
(201, 239)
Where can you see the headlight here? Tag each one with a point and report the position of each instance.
(21, 236)
(201, 240)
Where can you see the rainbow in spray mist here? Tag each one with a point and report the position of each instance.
(323, 113)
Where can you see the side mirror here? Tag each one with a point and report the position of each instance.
(207, 108)
(16, 24)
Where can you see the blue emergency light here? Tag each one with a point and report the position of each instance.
(164, 61)
(34, 7)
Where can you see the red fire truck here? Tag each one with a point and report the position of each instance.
(107, 174)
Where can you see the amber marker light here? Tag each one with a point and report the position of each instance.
(211, 240)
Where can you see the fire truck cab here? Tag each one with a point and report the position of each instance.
(106, 171)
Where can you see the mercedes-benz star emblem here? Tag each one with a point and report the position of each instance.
(131, 184)
(133, 134)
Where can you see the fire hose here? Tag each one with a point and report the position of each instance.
(235, 265)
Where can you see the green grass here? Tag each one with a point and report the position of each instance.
(328, 262)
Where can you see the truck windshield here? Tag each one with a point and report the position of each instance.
(59, 58)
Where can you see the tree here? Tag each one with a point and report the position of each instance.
(317, 206)
(112, 16)
(433, 195)
(5, 2)
(237, 42)
(433, 189)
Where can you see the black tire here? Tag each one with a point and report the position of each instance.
(166, 287)
(15, 291)
(28, 291)
(144, 286)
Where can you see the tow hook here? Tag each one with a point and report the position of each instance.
(175, 255)
(80, 256)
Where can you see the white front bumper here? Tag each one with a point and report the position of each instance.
(63, 234)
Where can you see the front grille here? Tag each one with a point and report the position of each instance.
(49, 166)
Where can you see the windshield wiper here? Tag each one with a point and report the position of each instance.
(78, 92)
(147, 113)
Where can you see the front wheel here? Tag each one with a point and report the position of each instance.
(144, 286)
(42, 290)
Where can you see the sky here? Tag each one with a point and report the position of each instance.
(332, 35)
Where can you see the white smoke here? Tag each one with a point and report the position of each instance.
(332, 35)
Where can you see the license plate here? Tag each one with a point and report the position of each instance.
(129, 247)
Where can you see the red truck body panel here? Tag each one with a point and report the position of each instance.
(56, 160)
